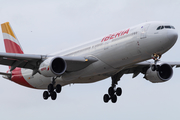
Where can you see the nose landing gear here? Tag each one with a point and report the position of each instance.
(156, 58)
(52, 91)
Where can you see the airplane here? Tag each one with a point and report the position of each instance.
(122, 52)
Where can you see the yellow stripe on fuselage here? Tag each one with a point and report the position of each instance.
(6, 28)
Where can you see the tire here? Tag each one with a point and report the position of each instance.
(106, 98)
(58, 88)
(113, 99)
(118, 91)
(111, 91)
(50, 88)
(157, 68)
(45, 95)
(53, 95)
(153, 67)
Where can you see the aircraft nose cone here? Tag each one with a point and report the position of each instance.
(172, 35)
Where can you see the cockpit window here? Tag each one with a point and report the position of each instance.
(165, 27)
(159, 28)
(172, 27)
(168, 27)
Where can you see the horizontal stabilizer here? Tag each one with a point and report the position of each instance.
(6, 75)
(2, 73)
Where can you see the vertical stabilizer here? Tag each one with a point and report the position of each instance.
(11, 42)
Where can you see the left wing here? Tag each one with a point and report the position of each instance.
(145, 68)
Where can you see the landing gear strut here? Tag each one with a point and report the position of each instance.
(113, 92)
(52, 91)
(156, 58)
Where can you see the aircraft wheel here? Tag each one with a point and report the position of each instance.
(111, 91)
(45, 95)
(58, 88)
(53, 95)
(50, 88)
(118, 91)
(113, 99)
(153, 67)
(106, 98)
(157, 68)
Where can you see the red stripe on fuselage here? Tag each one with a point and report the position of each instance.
(12, 47)
(17, 77)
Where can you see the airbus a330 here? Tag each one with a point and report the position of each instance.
(114, 55)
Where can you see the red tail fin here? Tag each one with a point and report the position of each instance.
(11, 42)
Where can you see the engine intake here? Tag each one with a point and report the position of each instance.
(58, 65)
(163, 74)
(54, 66)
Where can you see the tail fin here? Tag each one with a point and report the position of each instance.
(11, 42)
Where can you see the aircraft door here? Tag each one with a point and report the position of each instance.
(143, 33)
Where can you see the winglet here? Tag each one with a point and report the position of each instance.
(11, 42)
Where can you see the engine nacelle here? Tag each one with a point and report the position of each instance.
(54, 66)
(163, 74)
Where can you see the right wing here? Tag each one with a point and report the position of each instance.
(21, 60)
(33, 61)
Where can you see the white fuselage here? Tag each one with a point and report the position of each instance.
(114, 52)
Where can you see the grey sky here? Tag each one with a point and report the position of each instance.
(47, 26)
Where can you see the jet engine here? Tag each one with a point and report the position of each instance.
(163, 73)
(51, 67)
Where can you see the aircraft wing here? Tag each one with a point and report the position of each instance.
(142, 67)
(33, 61)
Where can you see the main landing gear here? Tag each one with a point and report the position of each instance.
(113, 92)
(156, 58)
(52, 91)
